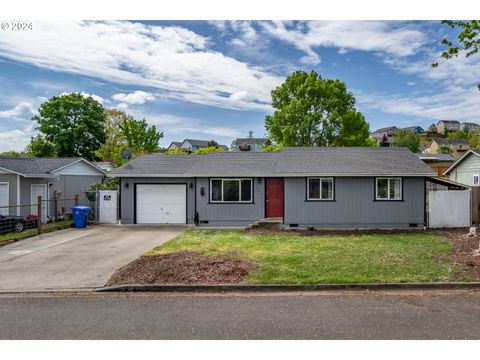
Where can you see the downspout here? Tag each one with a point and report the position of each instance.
(18, 195)
(196, 219)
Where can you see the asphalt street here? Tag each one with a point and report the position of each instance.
(341, 315)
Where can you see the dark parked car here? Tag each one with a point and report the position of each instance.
(11, 224)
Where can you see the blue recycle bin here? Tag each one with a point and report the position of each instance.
(80, 216)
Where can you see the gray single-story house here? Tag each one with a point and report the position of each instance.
(301, 187)
(22, 180)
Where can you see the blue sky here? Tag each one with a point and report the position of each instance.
(212, 80)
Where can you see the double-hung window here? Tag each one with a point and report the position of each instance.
(388, 188)
(231, 190)
(320, 189)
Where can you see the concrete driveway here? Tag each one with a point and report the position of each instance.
(76, 258)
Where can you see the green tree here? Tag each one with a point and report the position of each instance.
(139, 137)
(312, 111)
(272, 148)
(468, 40)
(40, 147)
(114, 139)
(408, 140)
(208, 150)
(384, 142)
(73, 124)
(459, 135)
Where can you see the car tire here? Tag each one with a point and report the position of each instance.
(19, 226)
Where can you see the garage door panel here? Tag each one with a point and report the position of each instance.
(161, 204)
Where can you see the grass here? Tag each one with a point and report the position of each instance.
(32, 232)
(293, 259)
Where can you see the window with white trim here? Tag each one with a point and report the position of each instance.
(320, 189)
(476, 179)
(231, 190)
(388, 188)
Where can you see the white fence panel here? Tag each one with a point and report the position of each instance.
(449, 208)
(107, 207)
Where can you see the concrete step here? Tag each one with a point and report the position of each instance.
(267, 223)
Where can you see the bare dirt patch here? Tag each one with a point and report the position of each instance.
(181, 268)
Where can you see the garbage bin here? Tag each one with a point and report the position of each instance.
(80, 216)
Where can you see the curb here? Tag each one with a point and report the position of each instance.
(288, 288)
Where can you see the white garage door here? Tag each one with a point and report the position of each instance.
(161, 204)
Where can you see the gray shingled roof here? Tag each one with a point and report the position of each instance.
(447, 142)
(385, 129)
(34, 166)
(357, 161)
(250, 141)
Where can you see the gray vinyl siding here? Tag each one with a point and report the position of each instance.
(11, 179)
(354, 205)
(127, 196)
(71, 185)
(230, 214)
(464, 172)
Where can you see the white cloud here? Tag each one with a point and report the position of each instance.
(100, 99)
(384, 37)
(174, 60)
(22, 112)
(453, 103)
(16, 139)
(138, 97)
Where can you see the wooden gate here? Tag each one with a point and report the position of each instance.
(449, 208)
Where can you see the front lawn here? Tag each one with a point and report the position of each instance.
(62, 224)
(294, 259)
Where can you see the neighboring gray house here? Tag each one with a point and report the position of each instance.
(413, 129)
(192, 145)
(468, 126)
(389, 132)
(450, 125)
(250, 144)
(340, 187)
(466, 170)
(22, 180)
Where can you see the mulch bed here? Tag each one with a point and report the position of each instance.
(181, 268)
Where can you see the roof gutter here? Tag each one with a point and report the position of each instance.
(274, 175)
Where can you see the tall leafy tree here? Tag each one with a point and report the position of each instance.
(467, 42)
(70, 125)
(139, 137)
(409, 140)
(312, 111)
(114, 138)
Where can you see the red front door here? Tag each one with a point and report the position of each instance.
(274, 197)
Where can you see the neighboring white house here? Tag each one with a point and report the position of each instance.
(192, 145)
(250, 144)
(465, 126)
(466, 170)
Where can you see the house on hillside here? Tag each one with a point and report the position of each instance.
(468, 126)
(250, 144)
(388, 132)
(413, 129)
(174, 145)
(438, 162)
(193, 145)
(323, 187)
(455, 147)
(447, 125)
(466, 170)
(22, 180)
